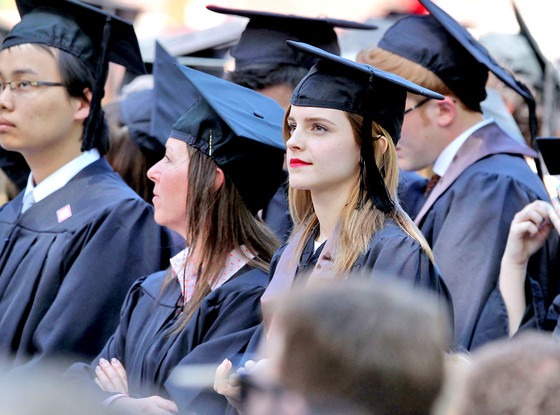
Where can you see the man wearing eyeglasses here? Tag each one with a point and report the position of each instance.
(77, 237)
(481, 178)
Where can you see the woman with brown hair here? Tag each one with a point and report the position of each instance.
(343, 186)
(343, 177)
(222, 163)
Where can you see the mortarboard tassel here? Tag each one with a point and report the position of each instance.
(372, 182)
(95, 129)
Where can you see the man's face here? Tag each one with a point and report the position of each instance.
(36, 119)
(417, 147)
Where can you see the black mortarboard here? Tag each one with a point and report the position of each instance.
(339, 83)
(149, 113)
(173, 94)
(136, 114)
(92, 35)
(264, 39)
(241, 130)
(441, 44)
(205, 50)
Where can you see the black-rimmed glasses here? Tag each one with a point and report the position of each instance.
(25, 85)
(417, 105)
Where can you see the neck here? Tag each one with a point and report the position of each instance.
(328, 206)
(466, 121)
(46, 161)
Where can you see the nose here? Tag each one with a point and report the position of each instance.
(154, 172)
(294, 142)
(6, 97)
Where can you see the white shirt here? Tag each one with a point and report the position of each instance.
(448, 154)
(61, 177)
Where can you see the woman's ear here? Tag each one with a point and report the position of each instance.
(83, 105)
(220, 178)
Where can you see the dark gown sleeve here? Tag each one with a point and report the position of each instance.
(411, 191)
(228, 325)
(468, 229)
(85, 311)
(394, 254)
(83, 374)
(277, 213)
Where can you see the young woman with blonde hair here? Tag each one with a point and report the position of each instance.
(344, 177)
(343, 188)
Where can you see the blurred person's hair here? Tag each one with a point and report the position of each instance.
(519, 376)
(380, 347)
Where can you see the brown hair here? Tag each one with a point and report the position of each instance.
(391, 62)
(357, 225)
(218, 221)
(125, 156)
(380, 347)
(519, 376)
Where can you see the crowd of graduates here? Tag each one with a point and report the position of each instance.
(308, 234)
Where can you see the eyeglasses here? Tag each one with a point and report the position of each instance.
(25, 86)
(417, 105)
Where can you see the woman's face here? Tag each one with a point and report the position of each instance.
(322, 153)
(170, 189)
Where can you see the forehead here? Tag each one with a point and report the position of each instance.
(330, 114)
(32, 59)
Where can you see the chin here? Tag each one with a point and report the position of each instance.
(299, 185)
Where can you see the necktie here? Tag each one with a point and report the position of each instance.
(431, 184)
(28, 201)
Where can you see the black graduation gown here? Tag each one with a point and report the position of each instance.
(391, 253)
(62, 284)
(276, 214)
(221, 328)
(467, 228)
(411, 191)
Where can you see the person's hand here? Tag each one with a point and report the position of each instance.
(111, 376)
(529, 230)
(153, 405)
(226, 383)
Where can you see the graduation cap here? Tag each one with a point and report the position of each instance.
(441, 44)
(150, 113)
(551, 85)
(240, 129)
(173, 93)
(136, 113)
(264, 39)
(92, 35)
(339, 83)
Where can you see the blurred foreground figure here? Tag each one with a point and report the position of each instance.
(354, 348)
(515, 377)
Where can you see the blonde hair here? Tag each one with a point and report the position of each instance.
(358, 220)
